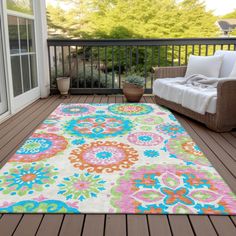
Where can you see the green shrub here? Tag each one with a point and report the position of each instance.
(91, 78)
(136, 80)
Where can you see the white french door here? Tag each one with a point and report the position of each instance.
(22, 54)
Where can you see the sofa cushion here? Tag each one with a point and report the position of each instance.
(198, 100)
(228, 63)
(168, 89)
(204, 65)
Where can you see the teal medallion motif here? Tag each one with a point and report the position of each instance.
(98, 126)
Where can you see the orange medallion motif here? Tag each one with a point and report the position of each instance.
(103, 157)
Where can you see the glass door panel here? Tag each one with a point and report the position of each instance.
(13, 34)
(21, 35)
(23, 54)
(34, 80)
(31, 39)
(16, 76)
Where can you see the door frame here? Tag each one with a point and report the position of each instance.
(19, 102)
(41, 49)
(4, 61)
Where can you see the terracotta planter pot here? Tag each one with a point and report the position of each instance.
(132, 92)
(63, 84)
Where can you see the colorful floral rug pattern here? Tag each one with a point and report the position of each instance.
(112, 158)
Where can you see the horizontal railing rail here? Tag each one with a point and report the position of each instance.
(100, 66)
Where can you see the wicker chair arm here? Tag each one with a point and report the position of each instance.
(228, 83)
(169, 72)
(226, 101)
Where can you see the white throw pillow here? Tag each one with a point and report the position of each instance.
(233, 72)
(228, 62)
(204, 65)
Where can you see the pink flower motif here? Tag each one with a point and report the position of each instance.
(74, 109)
(40, 198)
(5, 204)
(54, 129)
(73, 204)
(40, 146)
(111, 210)
(145, 138)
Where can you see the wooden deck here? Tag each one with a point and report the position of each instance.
(219, 148)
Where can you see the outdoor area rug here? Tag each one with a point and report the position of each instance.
(112, 158)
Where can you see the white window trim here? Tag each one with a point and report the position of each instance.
(23, 54)
(8, 58)
(21, 72)
(8, 112)
(20, 14)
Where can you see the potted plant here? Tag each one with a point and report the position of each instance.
(63, 85)
(133, 88)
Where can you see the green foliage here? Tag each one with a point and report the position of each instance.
(73, 22)
(92, 77)
(136, 80)
(23, 6)
(231, 15)
(133, 19)
(85, 76)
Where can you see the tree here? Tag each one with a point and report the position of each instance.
(230, 15)
(133, 19)
(73, 22)
(119, 19)
(197, 22)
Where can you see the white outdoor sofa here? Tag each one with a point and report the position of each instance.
(220, 114)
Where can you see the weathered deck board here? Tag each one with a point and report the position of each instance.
(28, 225)
(201, 225)
(117, 222)
(224, 143)
(17, 119)
(159, 225)
(180, 225)
(8, 223)
(233, 133)
(223, 225)
(94, 225)
(20, 113)
(219, 148)
(230, 137)
(72, 225)
(50, 225)
(137, 225)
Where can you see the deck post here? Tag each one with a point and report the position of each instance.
(42, 48)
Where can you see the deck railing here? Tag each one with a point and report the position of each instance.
(100, 66)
